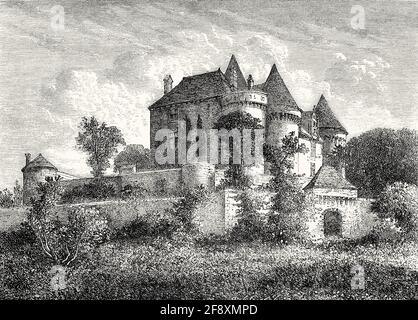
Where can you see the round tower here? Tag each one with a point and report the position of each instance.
(330, 129)
(34, 172)
(281, 124)
(253, 102)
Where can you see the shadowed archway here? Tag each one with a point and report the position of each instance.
(332, 223)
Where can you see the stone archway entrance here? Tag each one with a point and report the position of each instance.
(332, 223)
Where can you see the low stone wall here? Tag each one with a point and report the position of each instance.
(357, 217)
(165, 182)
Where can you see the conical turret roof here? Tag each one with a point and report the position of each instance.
(325, 116)
(233, 64)
(39, 162)
(328, 177)
(279, 96)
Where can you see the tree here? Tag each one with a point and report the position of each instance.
(380, 157)
(286, 218)
(6, 199)
(281, 159)
(100, 142)
(337, 157)
(240, 120)
(250, 224)
(9, 199)
(133, 154)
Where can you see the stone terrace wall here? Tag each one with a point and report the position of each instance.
(150, 180)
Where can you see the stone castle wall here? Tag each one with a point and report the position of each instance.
(167, 181)
(357, 217)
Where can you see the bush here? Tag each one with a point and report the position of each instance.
(62, 242)
(133, 191)
(152, 224)
(398, 203)
(183, 210)
(286, 228)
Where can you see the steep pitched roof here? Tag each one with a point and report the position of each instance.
(39, 162)
(279, 96)
(325, 116)
(233, 64)
(196, 87)
(329, 177)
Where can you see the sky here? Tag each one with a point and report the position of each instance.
(107, 58)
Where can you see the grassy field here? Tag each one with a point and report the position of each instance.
(11, 217)
(182, 268)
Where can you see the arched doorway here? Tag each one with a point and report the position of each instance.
(332, 223)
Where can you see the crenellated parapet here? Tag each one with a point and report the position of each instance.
(252, 101)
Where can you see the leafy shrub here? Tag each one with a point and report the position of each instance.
(152, 224)
(64, 242)
(133, 191)
(23, 235)
(183, 209)
(386, 230)
(399, 203)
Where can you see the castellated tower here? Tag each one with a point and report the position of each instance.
(245, 97)
(283, 116)
(330, 129)
(34, 172)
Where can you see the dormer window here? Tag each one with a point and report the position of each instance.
(173, 114)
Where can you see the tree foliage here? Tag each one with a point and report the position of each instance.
(281, 158)
(133, 154)
(234, 175)
(382, 156)
(286, 219)
(100, 141)
(9, 199)
(399, 202)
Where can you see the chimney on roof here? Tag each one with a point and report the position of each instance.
(250, 82)
(168, 84)
(28, 157)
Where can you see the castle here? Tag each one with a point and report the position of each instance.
(200, 101)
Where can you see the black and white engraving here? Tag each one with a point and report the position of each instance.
(202, 150)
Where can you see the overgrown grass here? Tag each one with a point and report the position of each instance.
(183, 268)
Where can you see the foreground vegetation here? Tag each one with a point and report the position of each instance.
(187, 267)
